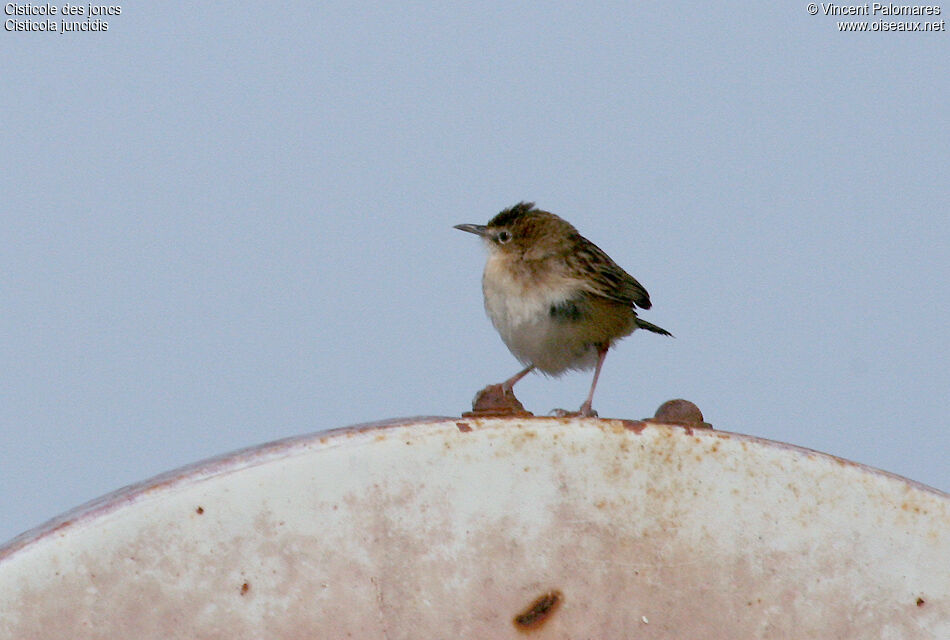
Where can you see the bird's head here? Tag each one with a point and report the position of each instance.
(523, 230)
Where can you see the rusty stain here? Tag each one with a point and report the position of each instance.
(920, 602)
(464, 427)
(200, 510)
(62, 525)
(245, 588)
(637, 426)
(538, 611)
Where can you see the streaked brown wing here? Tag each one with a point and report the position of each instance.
(604, 277)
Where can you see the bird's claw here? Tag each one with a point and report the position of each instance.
(583, 413)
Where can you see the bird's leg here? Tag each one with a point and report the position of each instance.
(510, 382)
(585, 409)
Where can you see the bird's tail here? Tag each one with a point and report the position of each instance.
(643, 324)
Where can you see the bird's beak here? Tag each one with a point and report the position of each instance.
(477, 229)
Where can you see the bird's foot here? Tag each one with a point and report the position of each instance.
(584, 412)
(496, 400)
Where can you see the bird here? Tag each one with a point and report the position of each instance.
(557, 300)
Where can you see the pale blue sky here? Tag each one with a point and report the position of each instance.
(229, 223)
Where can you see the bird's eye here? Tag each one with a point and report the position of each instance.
(504, 237)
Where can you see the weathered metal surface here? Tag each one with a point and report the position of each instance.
(495, 528)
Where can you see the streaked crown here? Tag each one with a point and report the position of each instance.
(528, 230)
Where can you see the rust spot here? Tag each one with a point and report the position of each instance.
(200, 510)
(538, 611)
(464, 427)
(921, 602)
(61, 525)
(637, 426)
(245, 588)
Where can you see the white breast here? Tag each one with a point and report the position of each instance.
(521, 312)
